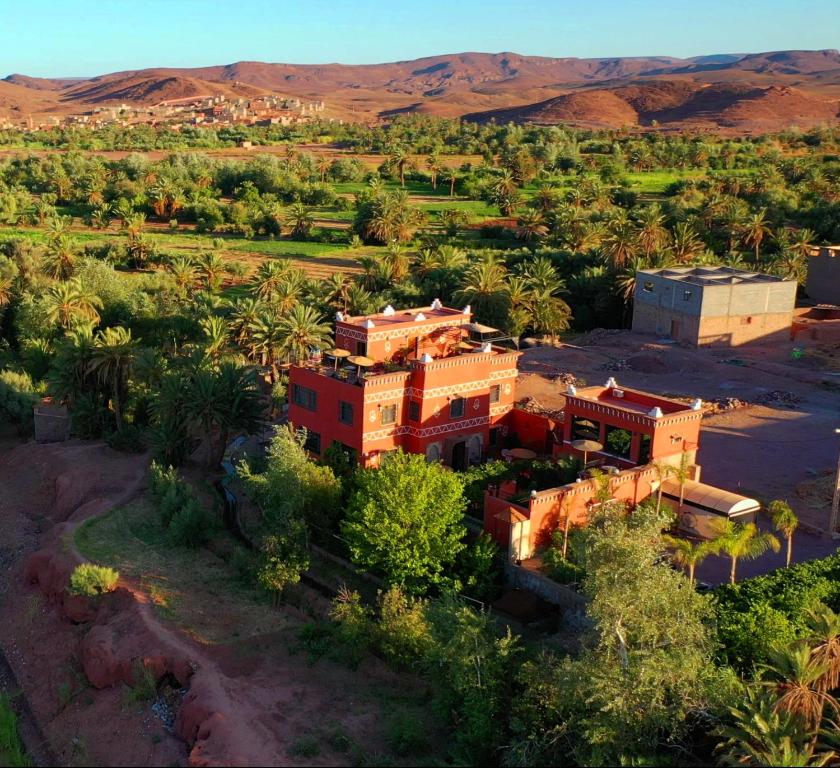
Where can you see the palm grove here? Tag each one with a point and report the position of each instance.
(121, 300)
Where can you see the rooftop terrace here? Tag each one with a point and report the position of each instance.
(631, 400)
(712, 275)
(391, 317)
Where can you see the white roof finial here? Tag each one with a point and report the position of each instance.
(611, 383)
(436, 304)
(388, 311)
(369, 323)
(419, 317)
(339, 316)
(697, 405)
(655, 412)
(426, 358)
(467, 310)
(571, 390)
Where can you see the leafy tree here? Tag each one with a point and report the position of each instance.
(406, 494)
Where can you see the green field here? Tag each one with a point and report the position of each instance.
(192, 588)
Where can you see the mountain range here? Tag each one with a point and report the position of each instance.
(744, 92)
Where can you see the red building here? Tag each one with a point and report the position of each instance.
(634, 428)
(429, 389)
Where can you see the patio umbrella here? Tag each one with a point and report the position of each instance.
(360, 361)
(337, 354)
(587, 446)
(523, 453)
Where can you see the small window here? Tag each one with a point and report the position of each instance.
(313, 443)
(746, 321)
(389, 414)
(305, 397)
(456, 408)
(414, 411)
(686, 295)
(495, 393)
(648, 286)
(361, 348)
(345, 412)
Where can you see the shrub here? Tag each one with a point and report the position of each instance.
(189, 524)
(755, 614)
(128, 440)
(17, 396)
(161, 479)
(354, 628)
(404, 634)
(92, 580)
(479, 569)
(405, 734)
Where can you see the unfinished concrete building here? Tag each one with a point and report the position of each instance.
(823, 283)
(713, 306)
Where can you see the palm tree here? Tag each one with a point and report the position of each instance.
(302, 329)
(764, 734)
(690, 554)
(335, 289)
(399, 159)
(755, 230)
(451, 175)
(621, 242)
(663, 472)
(685, 243)
(216, 334)
(824, 637)
(785, 522)
(211, 267)
(532, 226)
(221, 400)
(299, 218)
(323, 164)
(433, 164)
(801, 241)
(485, 290)
(245, 312)
(113, 354)
(797, 679)
(182, 270)
(268, 277)
(59, 260)
(69, 303)
(743, 542)
(652, 233)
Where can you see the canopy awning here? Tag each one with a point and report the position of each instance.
(710, 499)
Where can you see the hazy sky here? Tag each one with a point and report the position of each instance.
(89, 37)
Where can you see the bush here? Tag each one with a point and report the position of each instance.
(17, 397)
(405, 733)
(189, 526)
(92, 580)
(354, 628)
(403, 632)
(128, 440)
(755, 614)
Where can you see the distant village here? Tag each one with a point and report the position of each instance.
(214, 111)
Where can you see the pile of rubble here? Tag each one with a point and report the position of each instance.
(722, 404)
(532, 405)
(778, 397)
(617, 365)
(600, 335)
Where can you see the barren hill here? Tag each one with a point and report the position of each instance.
(678, 104)
(759, 91)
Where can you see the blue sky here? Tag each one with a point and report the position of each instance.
(89, 37)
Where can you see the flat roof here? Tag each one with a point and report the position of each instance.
(631, 400)
(388, 319)
(713, 275)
